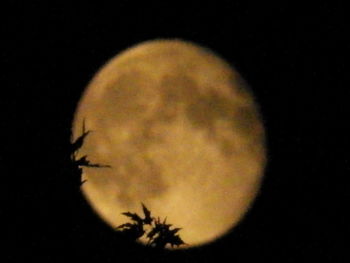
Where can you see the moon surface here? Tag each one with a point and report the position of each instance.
(182, 133)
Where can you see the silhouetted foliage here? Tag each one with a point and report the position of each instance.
(83, 161)
(78, 143)
(159, 235)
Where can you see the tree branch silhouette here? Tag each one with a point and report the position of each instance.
(82, 161)
(159, 235)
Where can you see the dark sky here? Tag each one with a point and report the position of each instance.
(289, 54)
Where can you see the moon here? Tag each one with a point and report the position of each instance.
(183, 134)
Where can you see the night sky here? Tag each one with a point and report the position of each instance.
(289, 54)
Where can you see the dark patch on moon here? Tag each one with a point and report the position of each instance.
(127, 99)
(140, 179)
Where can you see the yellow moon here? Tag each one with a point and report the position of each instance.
(182, 133)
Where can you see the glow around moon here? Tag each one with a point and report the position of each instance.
(182, 133)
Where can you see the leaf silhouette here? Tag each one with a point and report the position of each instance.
(133, 216)
(148, 219)
(78, 143)
(176, 241)
(175, 230)
(159, 235)
(124, 225)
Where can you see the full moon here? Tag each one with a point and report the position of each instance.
(182, 133)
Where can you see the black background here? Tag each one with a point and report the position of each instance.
(289, 54)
